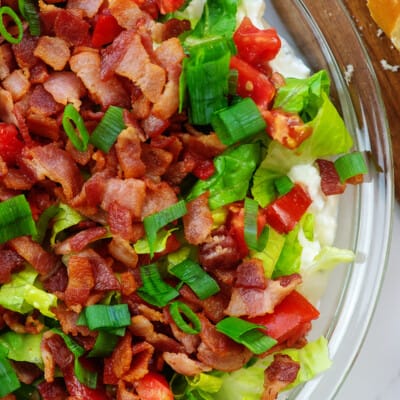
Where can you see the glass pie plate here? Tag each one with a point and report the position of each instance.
(323, 35)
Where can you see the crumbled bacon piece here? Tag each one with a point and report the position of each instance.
(282, 371)
(54, 51)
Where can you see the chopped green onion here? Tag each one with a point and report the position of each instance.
(207, 74)
(240, 121)
(283, 185)
(196, 278)
(85, 376)
(100, 316)
(246, 333)
(154, 290)
(16, 219)
(43, 222)
(176, 309)
(104, 345)
(154, 222)
(80, 140)
(28, 11)
(3, 30)
(250, 223)
(107, 131)
(233, 82)
(8, 378)
(350, 165)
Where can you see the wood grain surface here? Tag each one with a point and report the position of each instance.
(380, 48)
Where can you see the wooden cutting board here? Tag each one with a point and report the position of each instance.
(380, 48)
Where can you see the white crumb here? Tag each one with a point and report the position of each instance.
(388, 67)
(348, 74)
(379, 32)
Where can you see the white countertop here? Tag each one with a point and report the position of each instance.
(376, 372)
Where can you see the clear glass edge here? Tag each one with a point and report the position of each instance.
(343, 345)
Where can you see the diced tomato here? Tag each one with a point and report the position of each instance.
(288, 317)
(204, 169)
(154, 386)
(168, 6)
(286, 128)
(105, 30)
(330, 180)
(10, 145)
(252, 83)
(286, 211)
(256, 46)
(236, 226)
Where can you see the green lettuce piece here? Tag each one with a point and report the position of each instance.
(234, 169)
(247, 383)
(303, 96)
(290, 258)
(200, 387)
(329, 137)
(271, 253)
(21, 295)
(218, 19)
(329, 257)
(64, 219)
(23, 347)
(142, 245)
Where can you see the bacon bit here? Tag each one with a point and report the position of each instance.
(23, 51)
(157, 161)
(68, 321)
(127, 193)
(218, 351)
(71, 28)
(54, 51)
(182, 364)
(174, 27)
(120, 220)
(250, 274)
(282, 371)
(38, 73)
(43, 126)
(86, 65)
(136, 66)
(154, 126)
(255, 302)
(7, 108)
(34, 254)
(128, 149)
(17, 180)
(57, 165)
(128, 14)
(17, 84)
(198, 221)
(104, 276)
(330, 181)
(142, 354)
(41, 102)
(158, 196)
(52, 390)
(89, 7)
(123, 251)
(220, 252)
(80, 282)
(65, 87)
(10, 261)
(128, 283)
(6, 61)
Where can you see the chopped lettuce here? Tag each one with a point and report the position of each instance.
(247, 383)
(21, 295)
(329, 137)
(142, 245)
(22, 347)
(64, 219)
(329, 257)
(230, 183)
(303, 96)
(218, 19)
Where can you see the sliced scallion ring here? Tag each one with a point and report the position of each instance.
(176, 309)
(5, 10)
(81, 139)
